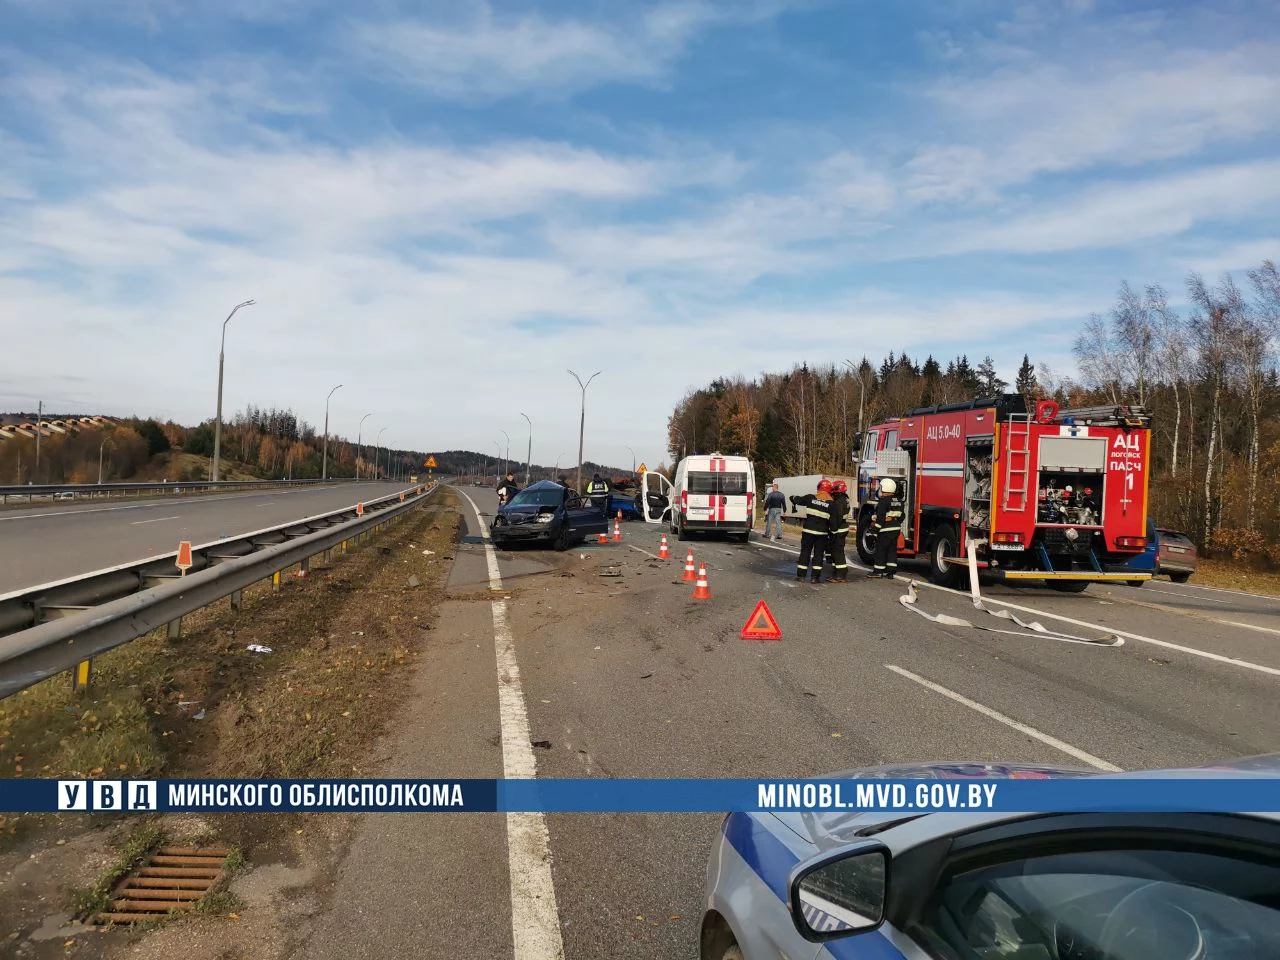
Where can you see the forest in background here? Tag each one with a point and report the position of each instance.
(1207, 372)
(269, 444)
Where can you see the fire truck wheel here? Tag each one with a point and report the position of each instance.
(1070, 586)
(680, 532)
(865, 542)
(944, 572)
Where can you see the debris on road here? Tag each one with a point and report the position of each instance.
(258, 648)
(414, 581)
(645, 676)
(542, 744)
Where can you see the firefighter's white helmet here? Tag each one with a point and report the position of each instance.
(887, 487)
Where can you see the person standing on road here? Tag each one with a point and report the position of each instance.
(886, 524)
(839, 532)
(815, 529)
(507, 488)
(774, 504)
(598, 491)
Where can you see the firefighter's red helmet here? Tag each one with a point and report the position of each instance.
(824, 486)
(839, 486)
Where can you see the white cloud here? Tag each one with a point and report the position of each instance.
(1125, 213)
(490, 55)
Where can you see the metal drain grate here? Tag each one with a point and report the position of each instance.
(171, 880)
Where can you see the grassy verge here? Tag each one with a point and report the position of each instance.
(1216, 573)
(207, 706)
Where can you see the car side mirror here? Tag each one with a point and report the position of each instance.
(841, 893)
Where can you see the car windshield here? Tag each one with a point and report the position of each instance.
(538, 498)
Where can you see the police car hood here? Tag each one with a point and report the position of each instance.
(831, 829)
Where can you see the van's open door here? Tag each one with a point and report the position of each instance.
(655, 497)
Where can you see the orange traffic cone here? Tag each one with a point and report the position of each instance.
(701, 591)
(690, 574)
(617, 531)
(663, 553)
(603, 537)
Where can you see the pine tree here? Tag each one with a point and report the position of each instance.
(1026, 383)
(989, 384)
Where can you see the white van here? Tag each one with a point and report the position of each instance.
(711, 492)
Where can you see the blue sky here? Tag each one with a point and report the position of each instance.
(445, 205)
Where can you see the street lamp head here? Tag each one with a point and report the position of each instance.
(335, 390)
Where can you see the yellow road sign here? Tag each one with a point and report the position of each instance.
(430, 463)
(642, 469)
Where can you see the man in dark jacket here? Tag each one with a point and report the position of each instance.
(814, 530)
(598, 492)
(839, 532)
(507, 488)
(774, 504)
(886, 524)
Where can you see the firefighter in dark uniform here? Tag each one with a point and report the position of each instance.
(815, 531)
(598, 491)
(886, 524)
(839, 532)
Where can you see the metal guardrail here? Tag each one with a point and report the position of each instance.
(93, 490)
(63, 625)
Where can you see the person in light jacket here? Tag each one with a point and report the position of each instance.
(774, 504)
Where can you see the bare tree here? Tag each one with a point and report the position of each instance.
(1215, 326)
(1101, 365)
(1173, 348)
(1134, 337)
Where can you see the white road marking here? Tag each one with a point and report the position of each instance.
(153, 504)
(1189, 596)
(1228, 590)
(996, 715)
(535, 918)
(1235, 662)
(1246, 626)
(134, 523)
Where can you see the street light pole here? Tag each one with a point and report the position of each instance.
(324, 462)
(359, 449)
(35, 474)
(633, 462)
(506, 459)
(377, 451)
(862, 389)
(528, 459)
(105, 441)
(582, 420)
(217, 422)
(496, 460)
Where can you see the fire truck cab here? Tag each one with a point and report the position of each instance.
(1042, 494)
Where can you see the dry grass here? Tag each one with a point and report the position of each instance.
(1234, 576)
(206, 706)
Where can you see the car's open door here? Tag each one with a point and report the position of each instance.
(655, 497)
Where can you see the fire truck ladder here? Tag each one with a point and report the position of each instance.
(1017, 473)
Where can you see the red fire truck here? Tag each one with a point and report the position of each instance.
(1051, 494)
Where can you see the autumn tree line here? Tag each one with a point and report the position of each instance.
(1205, 368)
(270, 444)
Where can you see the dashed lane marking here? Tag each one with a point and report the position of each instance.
(1008, 721)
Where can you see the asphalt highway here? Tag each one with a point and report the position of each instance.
(44, 544)
(627, 676)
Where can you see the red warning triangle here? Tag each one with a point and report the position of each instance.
(761, 625)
